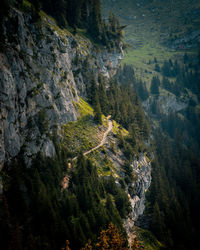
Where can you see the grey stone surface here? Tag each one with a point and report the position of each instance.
(167, 104)
(37, 74)
(142, 169)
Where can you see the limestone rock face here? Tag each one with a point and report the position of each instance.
(142, 170)
(167, 104)
(109, 62)
(40, 81)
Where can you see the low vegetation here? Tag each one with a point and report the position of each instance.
(148, 240)
(150, 30)
(83, 134)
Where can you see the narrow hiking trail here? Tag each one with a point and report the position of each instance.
(110, 126)
(65, 180)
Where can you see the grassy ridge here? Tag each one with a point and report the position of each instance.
(82, 134)
(150, 25)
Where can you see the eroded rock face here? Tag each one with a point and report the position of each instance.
(34, 95)
(40, 80)
(109, 62)
(142, 170)
(142, 177)
(141, 183)
(166, 104)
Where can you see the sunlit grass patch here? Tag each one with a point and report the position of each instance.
(80, 135)
(50, 21)
(117, 129)
(84, 108)
(83, 134)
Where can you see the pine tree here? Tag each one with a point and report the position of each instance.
(103, 95)
(95, 20)
(157, 222)
(157, 67)
(4, 10)
(166, 83)
(97, 111)
(155, 83)
(92, 90)
(36, 7)
(166, 69)
(142, 91)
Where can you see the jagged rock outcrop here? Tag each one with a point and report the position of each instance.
(165, 103)
(142, 170)
(40, 80)
(142, 181)
(41, 77)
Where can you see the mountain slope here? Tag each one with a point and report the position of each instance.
(164, 53)
(43, 71)
(155, 29)
(56, 84)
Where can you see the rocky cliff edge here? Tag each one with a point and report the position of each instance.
(41, 79)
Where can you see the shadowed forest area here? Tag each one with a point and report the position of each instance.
(137, 62)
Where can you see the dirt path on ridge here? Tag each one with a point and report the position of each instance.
(65, 180)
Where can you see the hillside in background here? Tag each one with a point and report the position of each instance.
(75, 156)
(99, 137)
(155, 29)
(163, 58)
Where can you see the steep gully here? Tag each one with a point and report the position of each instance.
(65, 180)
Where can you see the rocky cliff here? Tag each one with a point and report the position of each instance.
(141, 168)
(142, 171)
(42, 76)
(40, 81)
(167, 103)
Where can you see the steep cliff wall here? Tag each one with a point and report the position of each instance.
(142, 170)
(40, 80)
(166, 103)
(43, 71)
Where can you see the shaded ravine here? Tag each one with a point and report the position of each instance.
(65, 180)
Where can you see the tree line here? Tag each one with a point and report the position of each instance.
(173, 198)
(177, 75)
(35, 214)
(83, 14)
(121, 101)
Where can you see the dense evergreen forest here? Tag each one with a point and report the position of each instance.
(173, 199)
(121, 101)
(37, 214)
